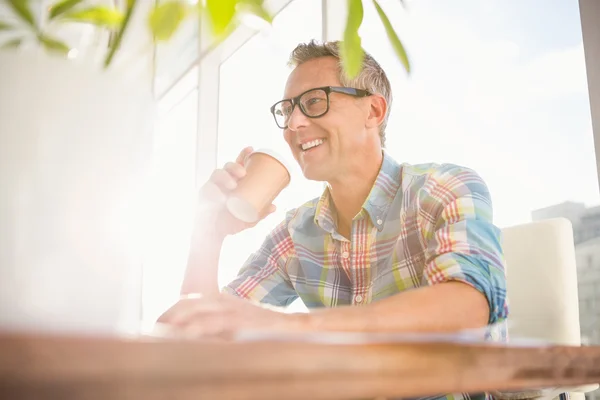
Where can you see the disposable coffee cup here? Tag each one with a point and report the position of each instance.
(267, 174)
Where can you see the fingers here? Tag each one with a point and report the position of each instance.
(205, 326)
(219, 317)
(207, 332)
(212, 193)
(193, 318)
(224, 180)
(184, 302)
(236, 170)
(196, 311)
(192, 304)
(243, 154)
(217, 187)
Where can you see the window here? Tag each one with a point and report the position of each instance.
(172, 197)
(251, 80)
(177, 55)
(499, 87)
(193, 122)
(496, 86)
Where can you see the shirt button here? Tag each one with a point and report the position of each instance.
(379, 221)
(345, 254)
(358, 298)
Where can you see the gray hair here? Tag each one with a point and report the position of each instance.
(371, 77)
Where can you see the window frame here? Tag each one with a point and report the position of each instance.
(589, 12)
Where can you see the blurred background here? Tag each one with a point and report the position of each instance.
(498, 86)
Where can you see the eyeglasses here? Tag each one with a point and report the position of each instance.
(314, 103)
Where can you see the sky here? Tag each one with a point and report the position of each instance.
(497, 85)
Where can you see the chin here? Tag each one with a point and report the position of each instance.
(314, 174)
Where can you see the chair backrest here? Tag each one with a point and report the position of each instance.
(542, 281)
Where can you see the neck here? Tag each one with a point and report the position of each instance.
(350, 191)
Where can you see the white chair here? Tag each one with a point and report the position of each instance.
(542, 285)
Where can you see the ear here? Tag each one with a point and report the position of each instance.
(377, 111)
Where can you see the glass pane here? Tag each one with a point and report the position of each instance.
(171, 205)
(251, 81)
(175, 56)
(500, 86)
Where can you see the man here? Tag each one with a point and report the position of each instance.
(387, 247)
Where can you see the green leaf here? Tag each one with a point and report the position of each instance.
(54, 45)
(114, 45)
(62, 7)
(99, 16)
(220, 15)
(256, 8)
(351, 51)
(21, 8)
(393, 37)
(12, 44)
(166, 18)
(4, 26)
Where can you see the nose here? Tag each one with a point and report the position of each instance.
(297, 120)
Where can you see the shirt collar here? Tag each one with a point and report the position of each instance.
(325, 213)
(378, 201)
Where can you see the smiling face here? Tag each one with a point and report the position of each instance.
(343, 139)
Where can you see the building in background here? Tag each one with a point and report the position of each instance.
(586, 221)
(586, 234)
(588, 278)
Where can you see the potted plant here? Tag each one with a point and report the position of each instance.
(75, 149)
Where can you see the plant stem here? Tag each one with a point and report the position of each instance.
(117, 43)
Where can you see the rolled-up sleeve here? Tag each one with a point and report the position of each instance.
(263, 277)
(461, 241)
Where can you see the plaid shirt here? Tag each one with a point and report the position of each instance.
(420, 225)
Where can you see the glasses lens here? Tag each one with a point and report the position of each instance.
(282, 112)
(314, 103)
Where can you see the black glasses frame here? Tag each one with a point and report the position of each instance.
(328, 90)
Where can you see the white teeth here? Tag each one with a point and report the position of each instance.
(310, 145)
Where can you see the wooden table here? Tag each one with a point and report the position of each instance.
(52, 367)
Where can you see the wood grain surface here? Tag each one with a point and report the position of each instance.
(53, 367)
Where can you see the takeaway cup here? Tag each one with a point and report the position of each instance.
(267, 174)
